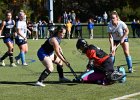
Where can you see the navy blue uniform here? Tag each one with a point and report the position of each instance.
(8, 31)
(46, 49)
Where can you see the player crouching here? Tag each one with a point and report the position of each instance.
(100, 67)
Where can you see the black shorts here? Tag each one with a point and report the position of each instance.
(20, 42)
(107, 66)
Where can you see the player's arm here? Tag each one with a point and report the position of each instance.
(90, 64)
(14, 29)
(2, 26)
(19, 33)
(126, 32)
(111, 41)
(57, 49)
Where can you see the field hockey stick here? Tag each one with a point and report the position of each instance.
(69, 66)
(2, 36)
(115, 48)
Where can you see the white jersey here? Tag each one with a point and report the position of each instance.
(117, 32)
(35, 27)
(23, 27)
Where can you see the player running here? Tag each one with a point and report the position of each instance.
(21, 39)
(7, 30)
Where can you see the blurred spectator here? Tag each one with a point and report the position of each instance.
(65, 17)
(73, 15)
(138, 28)
(105, 16)
(78, 29)
(35, 31)
(68, 27)
(30, 27)
(73, 28)
(69, 16)
(99, 19)
(90, 28)
(40, 29)
(44, 24)
(50, 28)
(133, 26)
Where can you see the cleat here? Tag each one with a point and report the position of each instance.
(3, 64)
(40, 84)
(13, 65)
(130, 70)
(25, 64)
(64, 80)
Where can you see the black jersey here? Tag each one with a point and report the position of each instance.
(8, 28)
(99, 52)
(48, 48)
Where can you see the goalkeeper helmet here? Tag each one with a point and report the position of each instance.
(82, 45)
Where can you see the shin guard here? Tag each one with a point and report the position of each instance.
(43, 75)
(60, 71)
(11, 57)
(5, 56)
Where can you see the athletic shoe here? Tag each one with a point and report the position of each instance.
(17, 60)
(64, 80)
(130, 70)
(25, 64)
(40, 84)
(13, 65)
(3, 64)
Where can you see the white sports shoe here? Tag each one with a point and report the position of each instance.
(13, 65)
(64, 80)
(130, 70)
(3, 64)
(40, 84)
(25, 64)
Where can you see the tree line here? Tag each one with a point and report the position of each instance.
(36, 9)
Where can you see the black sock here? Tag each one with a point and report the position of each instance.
(11, 57)
(5, 56)
(60, 71)
(43, 75)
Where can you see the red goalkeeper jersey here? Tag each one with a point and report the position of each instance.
(98, 55)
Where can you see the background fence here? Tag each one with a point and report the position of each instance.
(100, 31)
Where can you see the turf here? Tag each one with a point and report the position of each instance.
(18, 83)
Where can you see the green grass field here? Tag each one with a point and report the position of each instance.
(18, 83)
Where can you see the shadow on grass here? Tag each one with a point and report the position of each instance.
(134, 63)
(33, 83)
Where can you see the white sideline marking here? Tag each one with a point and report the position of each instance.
(126, 96)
